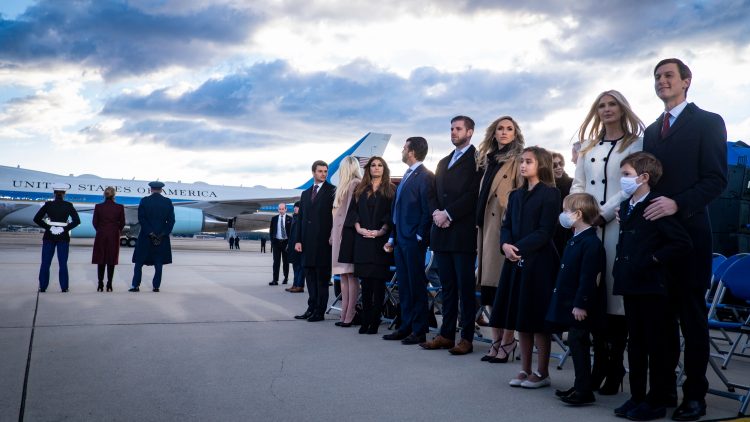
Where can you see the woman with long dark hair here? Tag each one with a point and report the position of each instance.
(370, 215)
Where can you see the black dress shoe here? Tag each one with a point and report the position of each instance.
(64, 290)
(134, 289)
(273, 283)
(576, 398)
(646, 412)
(315, 318)
(42, 290)
(563, 393)
(285, 281)
(396, 335)
(414, 339)
(623, 410)
(306, 315)
(156, 290)
(690, 410)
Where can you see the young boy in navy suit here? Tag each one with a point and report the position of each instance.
(644, 250)
(579, 299)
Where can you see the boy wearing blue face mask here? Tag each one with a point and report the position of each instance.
(579, 299)
(644, 248)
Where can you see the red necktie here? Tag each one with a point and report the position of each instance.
(665, 125)
(314, 193)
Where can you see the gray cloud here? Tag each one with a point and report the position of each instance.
(357, 95)
(119, 38)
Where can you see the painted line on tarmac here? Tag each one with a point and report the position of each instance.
(28, 363)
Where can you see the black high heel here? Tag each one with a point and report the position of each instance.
(612, 384)
(109, 286)
(100, 287)
(488, 357)
(364, 328)
(507, 353)
(373, 328)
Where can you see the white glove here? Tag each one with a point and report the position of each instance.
(56, 230)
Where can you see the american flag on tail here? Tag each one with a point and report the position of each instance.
(362, 161)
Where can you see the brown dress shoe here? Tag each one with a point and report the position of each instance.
(438, 342)
(462, 348)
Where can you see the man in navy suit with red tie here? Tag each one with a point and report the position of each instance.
(691, 145)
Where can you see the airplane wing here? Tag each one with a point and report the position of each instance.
(232, 208)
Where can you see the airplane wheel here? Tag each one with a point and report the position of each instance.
(123, 242)
(131, 242)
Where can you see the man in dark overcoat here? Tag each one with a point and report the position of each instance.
(691, 144)
(453, 237)
(156, 218)
(313, 233)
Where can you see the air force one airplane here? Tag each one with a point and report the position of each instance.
(199, 206)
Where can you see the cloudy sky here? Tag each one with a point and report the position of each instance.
(250, 92)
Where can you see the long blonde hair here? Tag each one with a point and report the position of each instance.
(592, 128)
(348, 171)
(489, 145)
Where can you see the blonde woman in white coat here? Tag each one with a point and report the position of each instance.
(342, 239)
(609, 133)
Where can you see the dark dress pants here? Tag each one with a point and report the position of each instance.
(412, 287)
(279, 257)
(317, 286)
(689, 307)
(650, 320)
(138, 273)
(48, 252)
(579, 341)
(456, 272)
(299, 274)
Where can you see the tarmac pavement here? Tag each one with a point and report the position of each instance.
(219, 344)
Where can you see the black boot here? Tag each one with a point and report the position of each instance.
(601, 360)
(109, 286)
(100, 287)
(618, 340)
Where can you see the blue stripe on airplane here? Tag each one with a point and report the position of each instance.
(334, 166)
(71, 197)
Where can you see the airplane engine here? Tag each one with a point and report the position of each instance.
(187, 221)
(86, 228)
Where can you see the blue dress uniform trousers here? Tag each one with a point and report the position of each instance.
(48, 252)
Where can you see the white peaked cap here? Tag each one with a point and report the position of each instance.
(60, 187)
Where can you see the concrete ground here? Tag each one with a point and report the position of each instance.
(218, 343)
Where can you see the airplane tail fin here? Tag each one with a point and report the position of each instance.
(370, 145)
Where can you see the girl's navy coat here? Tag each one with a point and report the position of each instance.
(581, 268)
(525, 287)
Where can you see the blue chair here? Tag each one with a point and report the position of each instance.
(736, 278)
(391, 288)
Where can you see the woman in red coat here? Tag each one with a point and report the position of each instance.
(109, 219)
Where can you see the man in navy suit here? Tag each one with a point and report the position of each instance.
(279, 231)
(312, 234)
(412, 217)
(454, 237)
(691, 145)
(156, 218)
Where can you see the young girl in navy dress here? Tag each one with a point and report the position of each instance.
(527, 280)
(579, 298)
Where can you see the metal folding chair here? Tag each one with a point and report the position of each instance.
(736, 279)
(391, 288)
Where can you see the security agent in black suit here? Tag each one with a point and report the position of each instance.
(280, 232)
(313, 232)
(453, 237)
(691, 145)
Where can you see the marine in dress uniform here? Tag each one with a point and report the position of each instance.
(54, 217)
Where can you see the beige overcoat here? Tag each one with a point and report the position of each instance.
(488, 238)
(339, 216)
